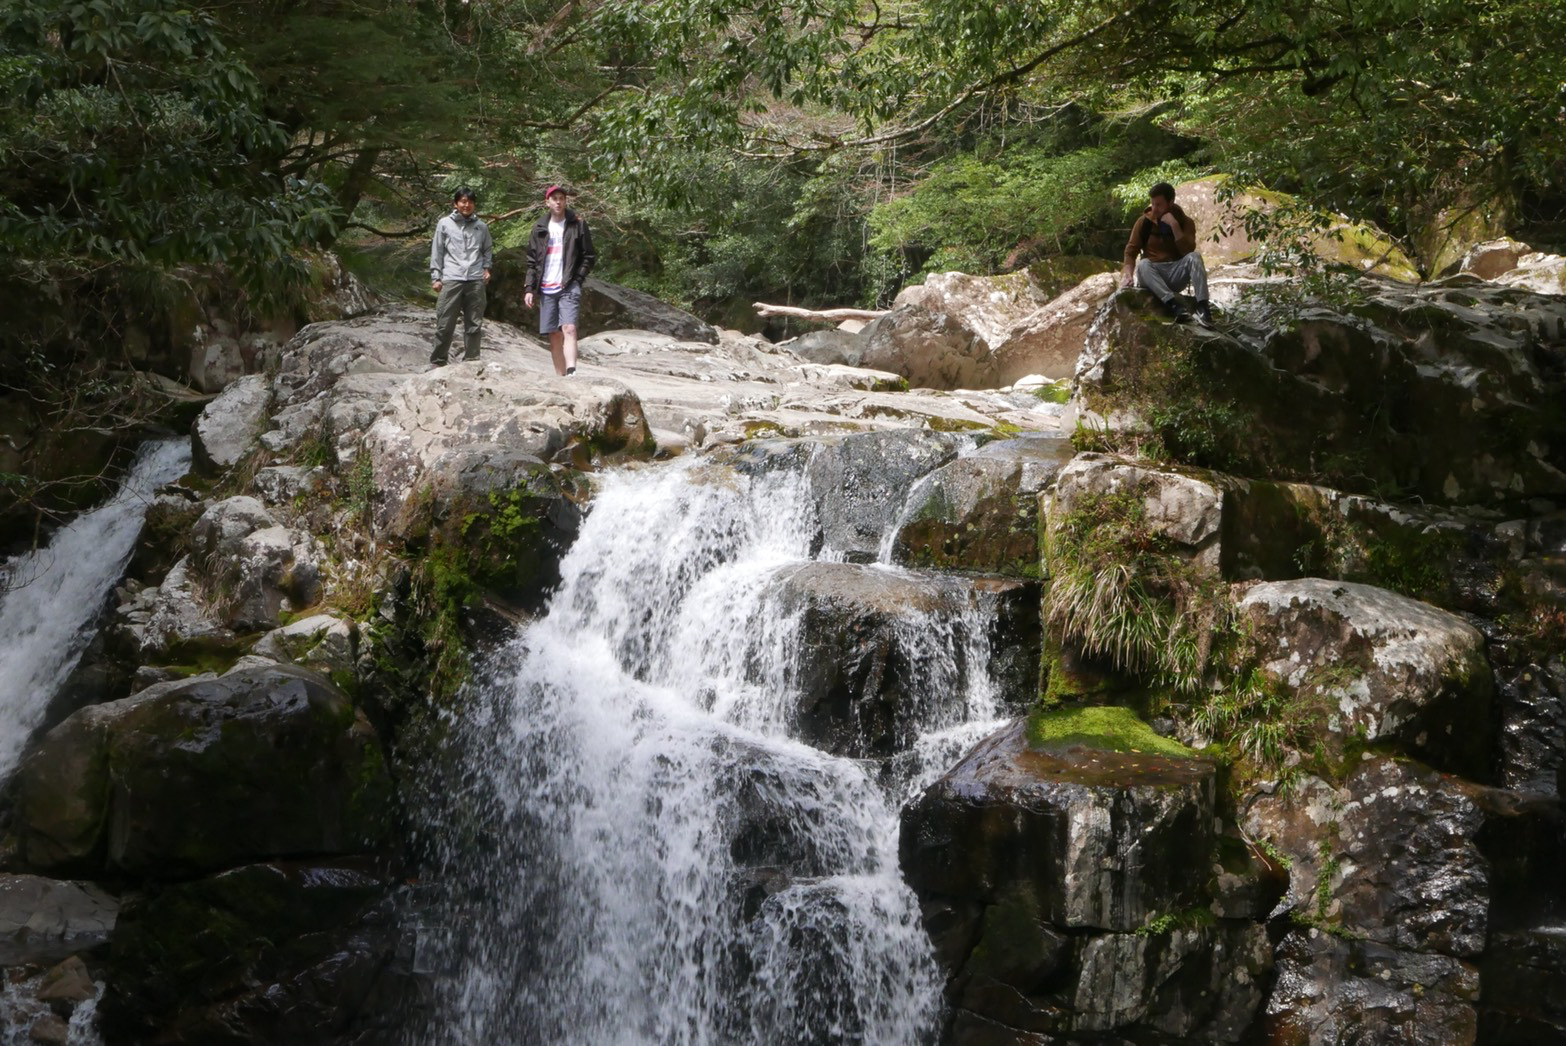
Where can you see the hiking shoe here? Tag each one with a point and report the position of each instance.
(1204, 313)
(570, 372)
(1181, 316)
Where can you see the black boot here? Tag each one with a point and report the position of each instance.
(1204, 313)
(1177, 311)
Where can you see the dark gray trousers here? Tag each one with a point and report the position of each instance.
(466, 297)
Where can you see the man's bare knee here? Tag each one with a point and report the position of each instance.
(568, 329)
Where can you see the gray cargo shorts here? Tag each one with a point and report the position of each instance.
(557, 310)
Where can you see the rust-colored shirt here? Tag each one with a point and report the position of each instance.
(1154, 240)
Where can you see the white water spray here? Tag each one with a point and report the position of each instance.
(649, 856)
(56, 593)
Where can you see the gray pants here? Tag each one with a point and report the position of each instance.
(466, 297)
(1166, 278)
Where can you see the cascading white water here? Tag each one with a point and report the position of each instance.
(646, 854)
(56, 592)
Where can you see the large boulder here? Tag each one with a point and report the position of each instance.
(609, 306)
(1491, 259)
(933, 350)
(846, 348)
(605, 306)
(1098, 838)
(1049, 340)
(190, 777)
(1331, 990)
(960, 331)
(230, 426)
(1440, 392)
(1377, 667)
(1392, 855)
(980, 512)
(1059, 867)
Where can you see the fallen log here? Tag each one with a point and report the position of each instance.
(824, 315)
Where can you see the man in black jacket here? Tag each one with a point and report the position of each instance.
(559, 257)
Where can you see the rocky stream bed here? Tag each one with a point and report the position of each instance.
(773, 700)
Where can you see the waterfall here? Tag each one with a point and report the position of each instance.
(640, 850)
(56, 593)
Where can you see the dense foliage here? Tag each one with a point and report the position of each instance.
(135, 133)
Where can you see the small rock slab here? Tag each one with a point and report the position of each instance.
(43, 919)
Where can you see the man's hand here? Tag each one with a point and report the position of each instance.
(1171, 221)
(434, 285)
(1126, 275)
(486, 275)
(527, 299)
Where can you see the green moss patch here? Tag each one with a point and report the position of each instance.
(1106, 727)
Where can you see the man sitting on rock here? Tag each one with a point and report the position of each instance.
(1165, 237)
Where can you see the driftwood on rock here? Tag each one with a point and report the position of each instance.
(825, 315)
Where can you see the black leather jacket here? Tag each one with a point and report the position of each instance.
(576, 249)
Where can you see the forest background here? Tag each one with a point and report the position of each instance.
(824, 152)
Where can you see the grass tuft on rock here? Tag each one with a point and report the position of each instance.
(1121, 591)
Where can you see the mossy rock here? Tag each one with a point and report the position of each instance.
(261, 953)
(1057, 275)
(1102, 727)
(192, 776)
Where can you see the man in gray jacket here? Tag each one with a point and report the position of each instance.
(460, 259)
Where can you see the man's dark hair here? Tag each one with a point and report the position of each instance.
(1163, 189)
(464, 193)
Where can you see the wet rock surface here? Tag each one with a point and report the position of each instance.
(281, 952)
(43, 920)
(980, 512)
(862, 481)
(872, 671)
(1333, 990)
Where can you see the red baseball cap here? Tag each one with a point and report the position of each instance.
(554, 189)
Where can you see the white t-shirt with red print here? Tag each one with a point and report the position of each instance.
(553, 275)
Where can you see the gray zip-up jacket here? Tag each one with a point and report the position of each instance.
(461, 250)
